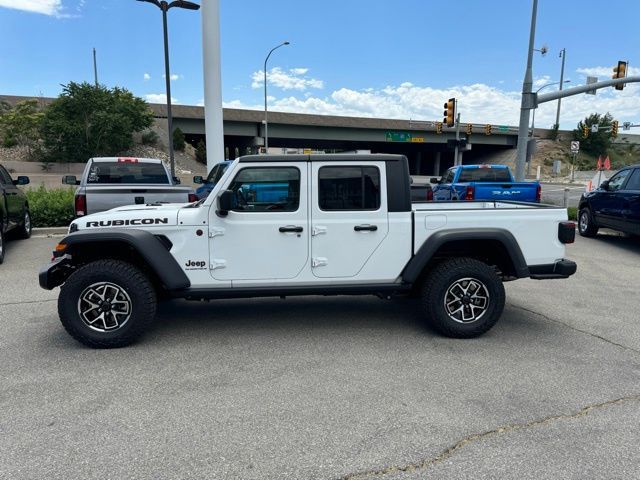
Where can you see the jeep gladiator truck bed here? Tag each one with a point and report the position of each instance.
(333, 224)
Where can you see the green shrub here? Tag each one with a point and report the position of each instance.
(150, 138)
(573, 213)
(178, 140)
(201, 152)
(51, 208)
(9, 140)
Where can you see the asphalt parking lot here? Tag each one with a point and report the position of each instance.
(330, 388)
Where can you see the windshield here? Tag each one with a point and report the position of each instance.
(121, 172)
(485, 175)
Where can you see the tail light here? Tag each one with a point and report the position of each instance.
(471, 191)
(538, 193)
(429, 195)
(567, 232)
(192, 198)
(81, 205)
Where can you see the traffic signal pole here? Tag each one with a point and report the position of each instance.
(536, 99)
(456, 159)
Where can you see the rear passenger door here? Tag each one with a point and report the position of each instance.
(348, 216)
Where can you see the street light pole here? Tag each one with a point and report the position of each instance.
(266, 120)
(164, 7)
(563, 54)
(528, 100)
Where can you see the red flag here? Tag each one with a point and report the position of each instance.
(599, 164)
(607, 163)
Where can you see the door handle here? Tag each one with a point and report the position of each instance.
(291, 229)
(365, 228)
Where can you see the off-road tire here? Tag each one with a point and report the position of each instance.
(437, 288)
(130, 280)
(586, 225)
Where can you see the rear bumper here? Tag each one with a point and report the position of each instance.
(55, 273)
(561, 269)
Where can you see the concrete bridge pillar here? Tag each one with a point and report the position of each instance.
(436, 165)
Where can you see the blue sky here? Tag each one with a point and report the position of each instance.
(399, 59)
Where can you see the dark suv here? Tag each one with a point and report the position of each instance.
(615, 204)
(14, 209)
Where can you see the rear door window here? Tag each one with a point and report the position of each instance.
(111, 173)
(485, 175)
(349, 188)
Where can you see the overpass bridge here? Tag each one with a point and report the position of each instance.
(425, 148)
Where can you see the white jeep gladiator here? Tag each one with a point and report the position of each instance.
(304, 225)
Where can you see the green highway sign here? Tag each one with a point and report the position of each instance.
(397, 136)
(503, 128)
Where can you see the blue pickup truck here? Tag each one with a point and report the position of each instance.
(483, 182)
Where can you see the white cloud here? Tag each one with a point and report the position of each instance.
(293, 79)
(541, 81)
(159, 98)
(477, 103)
(45, 7)
(146, 77)
(173, 77)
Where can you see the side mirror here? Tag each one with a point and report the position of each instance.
(605, 185)
(434, 180)
(198, 179)
(70, 180)
(225, 203)
(22, 180)
(176, 180)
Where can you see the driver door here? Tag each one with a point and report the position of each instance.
(265, 236)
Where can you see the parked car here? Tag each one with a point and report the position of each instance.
(484, 182)
(15, 218)
(346, 225)
(615, 204)
(207, 184)
(421, 192)
(111, 182)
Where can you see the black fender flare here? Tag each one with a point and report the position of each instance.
(426, 252)
(146, 244)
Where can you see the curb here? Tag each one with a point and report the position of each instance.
(50, 231)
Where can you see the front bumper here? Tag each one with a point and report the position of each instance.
(55, 273)
(560, 269)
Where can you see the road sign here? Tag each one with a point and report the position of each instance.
(626, 126)
(397, 136)
(503, 128)
(417, 139)
(575, 146)
(594, 128)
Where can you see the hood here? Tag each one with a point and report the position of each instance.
(131, 216)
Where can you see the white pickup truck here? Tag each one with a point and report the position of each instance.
(304, 225)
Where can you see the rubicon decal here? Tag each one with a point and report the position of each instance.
(122, 223)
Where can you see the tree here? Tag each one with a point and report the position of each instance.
(597, 143)
(20, 124)
(87, 121)
(201, 152)
(178, 140)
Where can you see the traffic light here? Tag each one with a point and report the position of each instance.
(620, 72)
(438, 127)
(487, 129)
(469, 128)
(585, 131)
(449, 113)
(614, 128)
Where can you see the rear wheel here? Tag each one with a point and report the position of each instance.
(24, 231)
(107, 304)
(586, 226)
(463, 297)
(1, 243)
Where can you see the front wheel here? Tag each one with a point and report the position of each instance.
(463, 297)
(107, 304)
(25, 228)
